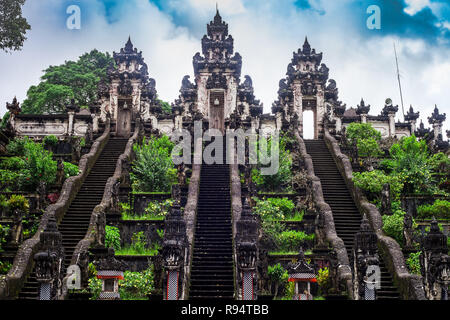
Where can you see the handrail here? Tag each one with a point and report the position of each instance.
(344, 272)
(236, 207)
(23, 261)
(98, 214)
(410, 286)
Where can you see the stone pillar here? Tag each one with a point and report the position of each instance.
(364, 118)
(71, 109)
(366, 263)
(391, 124)
(435, 264)
(247, 231)
(49, 262)
(174, 252)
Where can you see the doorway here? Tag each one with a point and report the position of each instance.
(308, 125)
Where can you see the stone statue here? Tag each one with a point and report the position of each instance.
(386, 199)
(60, 176)
(408, 231)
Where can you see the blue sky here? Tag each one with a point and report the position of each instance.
(266, 32)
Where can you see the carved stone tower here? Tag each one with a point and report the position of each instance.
(130, 92)
(305, 88)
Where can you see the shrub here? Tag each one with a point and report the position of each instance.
(368, 148)
(323, 280)
(13, 163)
(277, 276)
(95, 285)
(17, 146)
(112, 238)
(153, 169)
(4, 231)
(50, 140)
(393, 226)
(361, 131)
(440, 209)
(413, 263)
(285, 205)
(410, 159)
(373, 182)
(159, 209)
(18, 202)
(40, 164)
(4, 266)
(282, 179)
(136, 285)
(291, 240)
(70, 170)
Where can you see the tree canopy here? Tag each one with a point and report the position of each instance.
(71, 80)
(13, 26)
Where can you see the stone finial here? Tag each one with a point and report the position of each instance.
(411, 115)
(422, 131)
(72, 107)
(389, 108)
(362, 108)
(14, 107)
(436, 117)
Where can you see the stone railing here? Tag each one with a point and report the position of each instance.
(236, 207)
(190, 218)
(23, 262)
(410, 286)
(97, 223)
(344, 272)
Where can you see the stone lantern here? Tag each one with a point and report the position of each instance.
(302, 274)
(110, 271)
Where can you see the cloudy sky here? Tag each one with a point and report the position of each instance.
(266, 32)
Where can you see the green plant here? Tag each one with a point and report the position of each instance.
(95, 285)
(159, 208)
(17, 146)
(4, 266)
(289, 291)
(361, 131)
(18, 202)
(160, 233)
(410, 159)
(323, 280)
(413, 263)
(393, 225)
(153, 169)
(40, 164)
(4, 231)
(13, 163)
(50, 140)
(280, 180)
(112, 237)
(440, 209)
(70, 170)
(277, 276)
(292, 240)
(368, 148)
(373, 182)
(136, 285)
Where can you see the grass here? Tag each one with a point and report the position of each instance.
(144, 217)
(130, 251)
(288, 253)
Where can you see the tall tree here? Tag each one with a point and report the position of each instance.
(13, 26)
(71, 80)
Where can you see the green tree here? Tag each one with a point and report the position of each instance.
(410, 159)
(72, 80)
(13, 26)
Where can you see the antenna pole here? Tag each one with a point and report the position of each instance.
(399, 81)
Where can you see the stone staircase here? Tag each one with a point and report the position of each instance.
(212, 275)
(75, 223)
(347, 218)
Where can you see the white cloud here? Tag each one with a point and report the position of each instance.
(415, 6)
